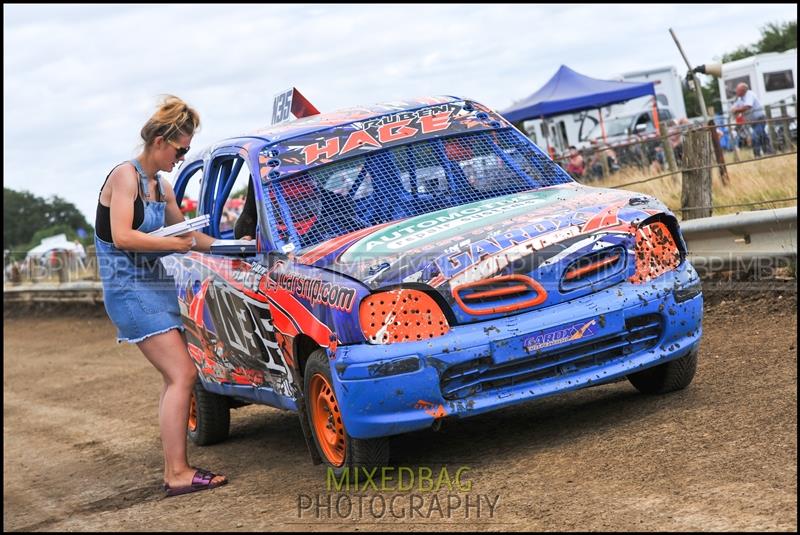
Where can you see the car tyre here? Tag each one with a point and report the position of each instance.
(337, 448)
(209, 417)
(668, 377)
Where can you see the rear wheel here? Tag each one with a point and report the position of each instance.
(668, 377)
(336, 447)
(209, 417)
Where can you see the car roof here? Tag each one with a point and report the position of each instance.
(345, 116)
(323, 122)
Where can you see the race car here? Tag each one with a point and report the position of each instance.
(416, 262)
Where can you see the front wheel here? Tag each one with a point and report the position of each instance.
(668, 377)
(336, 447)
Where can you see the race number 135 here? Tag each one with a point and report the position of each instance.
(282, 106)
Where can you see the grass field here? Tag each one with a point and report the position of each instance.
(750, 181)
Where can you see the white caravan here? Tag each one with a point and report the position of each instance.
(772, 77)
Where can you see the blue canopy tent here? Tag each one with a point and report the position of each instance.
(569, 91)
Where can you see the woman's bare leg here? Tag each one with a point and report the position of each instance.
(167, 352)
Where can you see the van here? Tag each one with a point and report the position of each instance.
(669, 92)
(619, 129)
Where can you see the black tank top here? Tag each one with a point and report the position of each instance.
(102, 219)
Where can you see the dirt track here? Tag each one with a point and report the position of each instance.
(81, 449)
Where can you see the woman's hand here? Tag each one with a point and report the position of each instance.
(183, 243)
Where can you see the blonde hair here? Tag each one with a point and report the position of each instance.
(172, 119)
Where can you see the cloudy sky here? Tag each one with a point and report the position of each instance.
(79, 81)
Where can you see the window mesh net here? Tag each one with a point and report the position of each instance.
(419, 178)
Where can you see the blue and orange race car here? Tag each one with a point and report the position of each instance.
(418, 261)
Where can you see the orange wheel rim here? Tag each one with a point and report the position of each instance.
(327, 420)
(192, 413)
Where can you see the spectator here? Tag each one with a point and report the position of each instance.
(613, 161)
(53, 262)
(596, 164)
(743, 137)
(659, 160)
(575, 164)
(595, 167)
(80, 255)
(723, 132)
(751, 111)
(79, 250)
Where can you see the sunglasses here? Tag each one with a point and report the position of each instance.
(179, 151)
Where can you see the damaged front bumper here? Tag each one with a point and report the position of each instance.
(391, 389)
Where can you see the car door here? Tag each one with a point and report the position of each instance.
(229, 326)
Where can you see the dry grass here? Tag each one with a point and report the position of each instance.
(750, 181)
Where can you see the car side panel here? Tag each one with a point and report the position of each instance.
(230, 330)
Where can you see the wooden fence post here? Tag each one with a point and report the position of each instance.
(667, 144)
(33, 267)
(770, 131)
(696, 184)
(92, 263)
(61, 266)
(787, 139)
(16, 276)
(720, 156)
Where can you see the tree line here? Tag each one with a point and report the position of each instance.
(28, 218)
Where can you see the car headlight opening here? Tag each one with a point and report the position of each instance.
(401, 315)
(655, 252)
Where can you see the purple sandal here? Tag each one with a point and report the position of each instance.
(202, 480)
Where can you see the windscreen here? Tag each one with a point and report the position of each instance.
(405, 181)
(613, 127)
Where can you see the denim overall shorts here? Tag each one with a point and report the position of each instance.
(139, 296)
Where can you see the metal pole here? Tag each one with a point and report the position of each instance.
(697, 89)
(655, 114)
(667, 143)
(602, 125)
(787, 139)
(546, 131)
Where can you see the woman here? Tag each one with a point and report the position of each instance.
(140, 298)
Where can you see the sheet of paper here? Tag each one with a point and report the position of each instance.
(196, 223)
